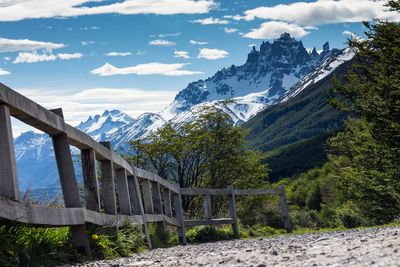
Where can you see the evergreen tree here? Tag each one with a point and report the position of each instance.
(367, 153)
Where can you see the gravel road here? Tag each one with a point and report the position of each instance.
(367, 247)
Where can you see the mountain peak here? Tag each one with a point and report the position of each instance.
(285, 37)
(326, 46)
(113, 112)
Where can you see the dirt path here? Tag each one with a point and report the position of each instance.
(367, 247)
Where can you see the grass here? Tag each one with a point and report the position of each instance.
(22, 245)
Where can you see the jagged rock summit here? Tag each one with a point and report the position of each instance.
(272, 70)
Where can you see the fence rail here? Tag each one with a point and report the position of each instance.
(126, 192)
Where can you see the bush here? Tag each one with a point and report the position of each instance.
(350, 216)
(259, 231)
(305, 219)
(28, 246)
(200, 234)
(111, 242)
(160, 238)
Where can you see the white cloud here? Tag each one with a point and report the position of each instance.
(118, 54)
(89, 28)
(211, 21)
(212, 54)
(85, 43)
(273, 29)
(32, 57)
(230, 30)
(4, 72)
(182, 54)
(353, 35)
(154, 68)
(14, 10)
(323, 12)
(161, 42)
(163, 35)
(14, 45)
(193, 42)
(141, 53)
(78, 106)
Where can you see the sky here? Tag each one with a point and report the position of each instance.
(135, 55)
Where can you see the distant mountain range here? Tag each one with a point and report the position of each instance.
(274, 74)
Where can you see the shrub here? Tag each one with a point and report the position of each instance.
(350, 216)
(28, 246)
(305, 219)
(259, 231)
(111, 242)
(160, 238)
(208, 234)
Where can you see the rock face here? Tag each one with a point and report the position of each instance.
(272, 71)
(367, 247)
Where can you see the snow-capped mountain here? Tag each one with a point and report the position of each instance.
(267, 74)
(35, 156)
(276, 72)
(139, 128)
(326, 68)
(101, 127)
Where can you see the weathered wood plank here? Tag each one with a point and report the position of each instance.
(143, 174)
(232, 208)
(167, 203)
(202, 191)
(225, 192)
(208, 222)
(58, 217)
(147, 196)
(155, 191)
(92, 194)
(284, 208)
(180, 218)
(123, 192)
(69, 186)
(207, 207)
(8, 166)
(108, 184)
(30, 112)
(136, 201)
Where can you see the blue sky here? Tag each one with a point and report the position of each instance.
(56, 52)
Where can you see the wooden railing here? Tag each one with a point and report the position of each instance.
(126, 193)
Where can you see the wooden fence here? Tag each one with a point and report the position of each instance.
(126, 193)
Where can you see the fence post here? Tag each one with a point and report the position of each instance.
(284, 208)
(8, 167)
(69, 186)
(92, 195)
(155, 191)
(147, 198)
(108, 184)
(180, 218)
(136, 200)
(166, 195)
(123, 192)
(207, 207)
(232, 208)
